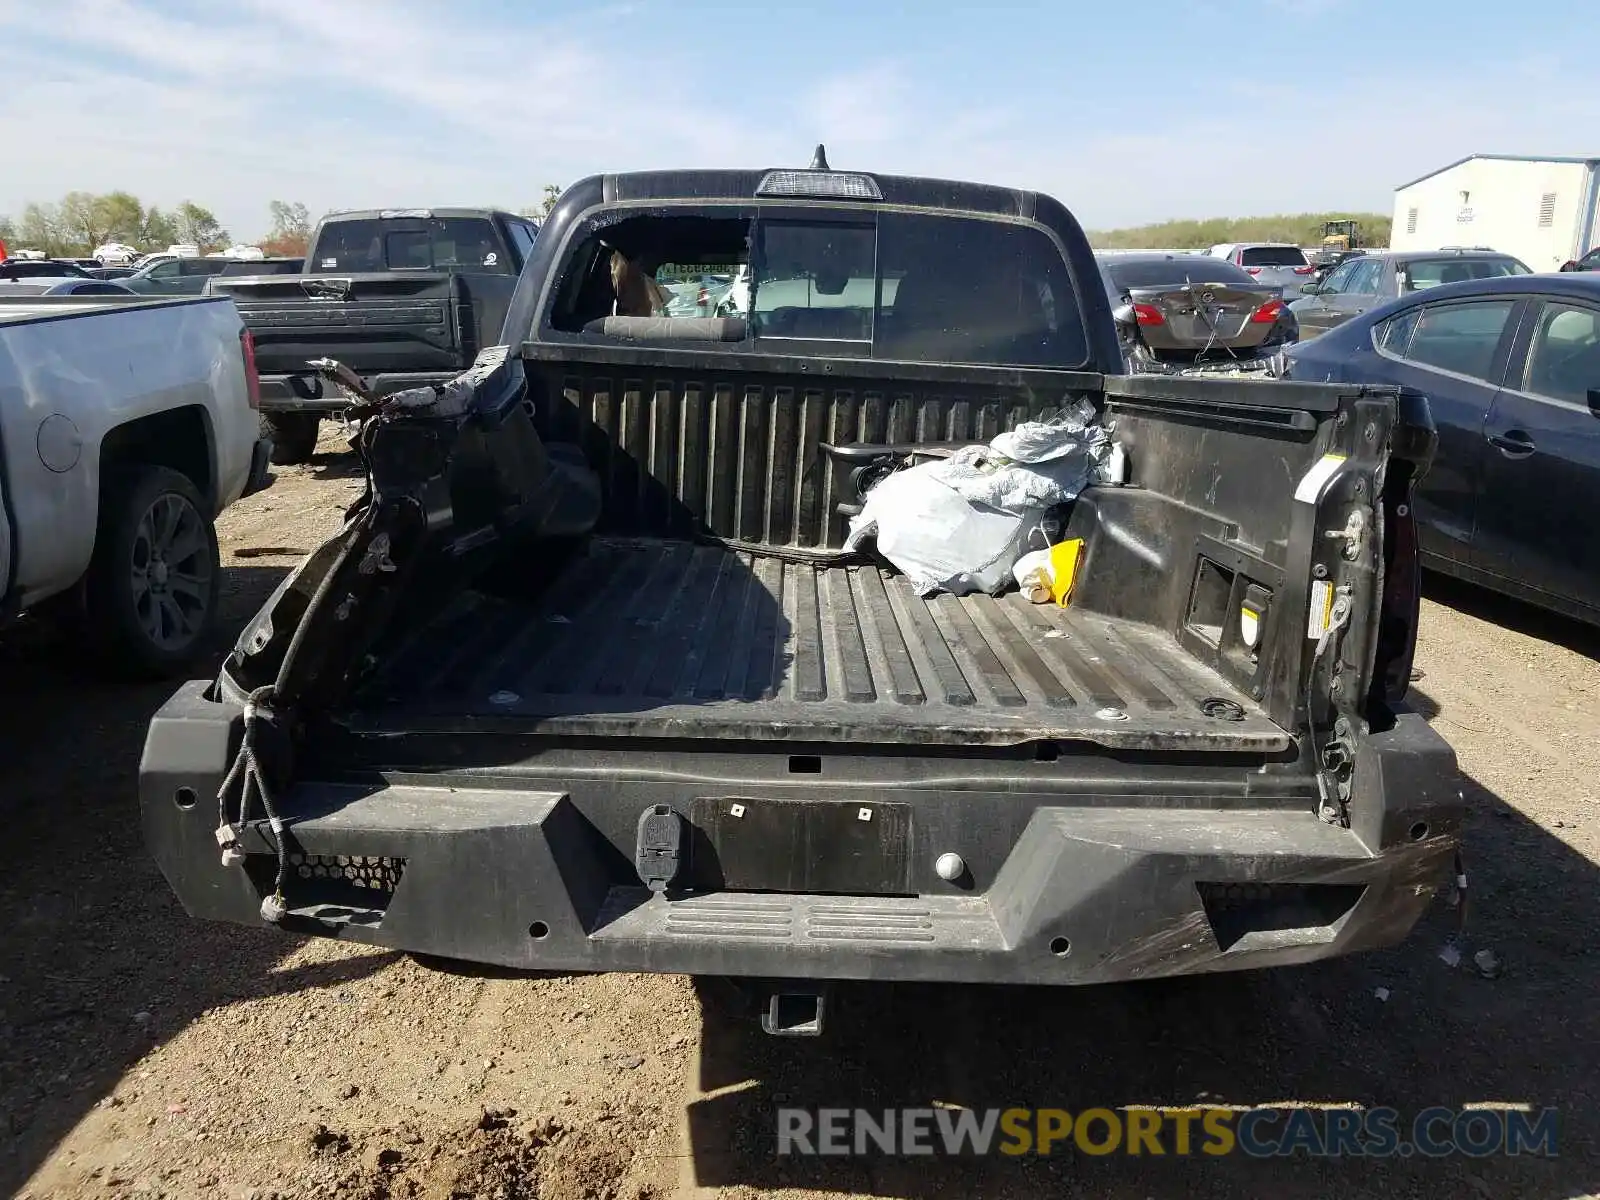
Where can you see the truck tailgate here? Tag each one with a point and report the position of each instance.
(377, 323)
(671, 639)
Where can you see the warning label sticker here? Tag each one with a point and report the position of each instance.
(1316, 479)
(1321, 609)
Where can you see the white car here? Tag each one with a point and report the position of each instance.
(1280, 264)
(126, 425)
(115, 254)
(180, 250)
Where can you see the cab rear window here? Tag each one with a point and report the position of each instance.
(1271, 256)
(974, 291)
(919, 287)
(410, 244)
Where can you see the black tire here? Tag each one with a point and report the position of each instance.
(151, 591)
(294, 436)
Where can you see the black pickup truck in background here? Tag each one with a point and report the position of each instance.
(403, 297)
(589, 682)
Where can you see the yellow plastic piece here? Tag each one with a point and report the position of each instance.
(1064, 559)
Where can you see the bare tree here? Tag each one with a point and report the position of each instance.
(84, 220)
(291, 228)
(289, 220)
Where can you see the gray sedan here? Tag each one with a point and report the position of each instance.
(1193, 309)
(1381, 276)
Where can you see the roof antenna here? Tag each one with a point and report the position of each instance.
(819, 160)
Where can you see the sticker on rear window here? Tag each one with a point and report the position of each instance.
(1321, 609)
(1316, 479)
(329, 264)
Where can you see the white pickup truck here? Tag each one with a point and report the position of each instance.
(126, 426)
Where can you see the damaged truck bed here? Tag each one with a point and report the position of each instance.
(589, 682)
(670, 639)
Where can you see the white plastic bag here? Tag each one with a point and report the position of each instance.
(959, 523)
(1039, 441)
(939, 538)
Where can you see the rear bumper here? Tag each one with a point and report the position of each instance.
(1078, 893)
(309, 394)
(1246, 364)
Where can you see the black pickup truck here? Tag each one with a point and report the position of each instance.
(587, 682)
(403, 297)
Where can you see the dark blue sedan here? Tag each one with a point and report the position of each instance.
(1511, 369)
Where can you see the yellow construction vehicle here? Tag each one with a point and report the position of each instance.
(1339, 236)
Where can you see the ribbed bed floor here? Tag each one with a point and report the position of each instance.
(672, 639)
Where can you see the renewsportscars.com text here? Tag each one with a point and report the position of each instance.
(1314, 1132)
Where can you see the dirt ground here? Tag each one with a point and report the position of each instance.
(145, 1054)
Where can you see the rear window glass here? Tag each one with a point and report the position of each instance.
(1272, 256)
(957, 289)
(909, 286)
(410, 244)
(816, 281)
(1196, 268)
(1431, 272)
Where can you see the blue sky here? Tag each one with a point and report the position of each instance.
(1128, 112)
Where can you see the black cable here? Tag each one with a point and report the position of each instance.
(794, 554)
(247, 772)
(1334, 626)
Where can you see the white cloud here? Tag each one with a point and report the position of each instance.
(336, 104)
(346, 103)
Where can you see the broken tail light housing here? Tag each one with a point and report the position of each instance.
(252, 377)
(1402, 602)
(1148, 314)
(1415, 441)
(1268, 313)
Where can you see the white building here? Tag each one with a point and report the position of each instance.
(1544, 211)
